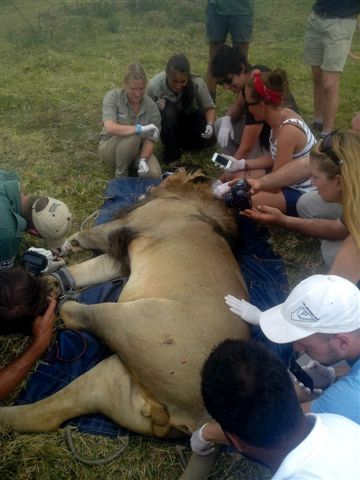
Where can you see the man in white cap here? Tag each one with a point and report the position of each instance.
(45, 217)
(321, 316)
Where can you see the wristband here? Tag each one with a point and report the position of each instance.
(137, 129)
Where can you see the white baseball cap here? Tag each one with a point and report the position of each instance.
(319, 304)
(53, 222)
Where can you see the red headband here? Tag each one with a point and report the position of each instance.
(272, 96)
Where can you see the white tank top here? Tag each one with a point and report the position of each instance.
(305, 185)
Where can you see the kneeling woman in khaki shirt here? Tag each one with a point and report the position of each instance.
(131, 123)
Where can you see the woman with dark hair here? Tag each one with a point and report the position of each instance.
(186, 107)
(24, 308)
(238, 133)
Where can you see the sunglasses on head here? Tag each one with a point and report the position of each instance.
(327, 148)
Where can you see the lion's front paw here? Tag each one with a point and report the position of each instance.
(54, 286)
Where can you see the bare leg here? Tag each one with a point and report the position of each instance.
(276, 200)
(330, 88)
(317, 93)
(347, 261)
(243, 47)
(211, 81)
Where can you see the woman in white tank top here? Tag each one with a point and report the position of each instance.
(290, 139)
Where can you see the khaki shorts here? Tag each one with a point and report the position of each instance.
(328, 42)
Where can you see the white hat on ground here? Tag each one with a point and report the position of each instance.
(53, 222)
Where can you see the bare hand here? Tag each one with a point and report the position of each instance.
(264, 214)
(255, 185)
(304, 394)
(42, 327)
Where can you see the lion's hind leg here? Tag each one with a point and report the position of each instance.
(107, 388)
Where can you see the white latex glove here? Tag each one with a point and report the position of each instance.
(236, 165)
(54, 263)
(226, 131)
(65, 249)
(150, 131)
(143, 167)
(161, 103)
(220, 189)
(209, 131)
(322, 376)
(243, 309)
(199, 445)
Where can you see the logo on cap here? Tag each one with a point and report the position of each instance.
(53, 207)
(304, 314)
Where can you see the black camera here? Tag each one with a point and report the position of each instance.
(34, 262)
(239, 196)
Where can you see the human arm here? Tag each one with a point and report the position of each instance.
(260, 162)
(347, 261)
(288, 174)
(209, 128)
(312, 227)
(202, 440)
(147, 149)
(249, 138)
(210, 115)
(10, 239)
(16, 371)
(110, 116)
(113, 128)
(290, 139)
(236, 109)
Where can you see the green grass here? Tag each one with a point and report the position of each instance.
(58, 59)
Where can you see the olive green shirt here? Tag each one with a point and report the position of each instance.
(234, 7)
(159, 88)
(116, 107)
(12, 224)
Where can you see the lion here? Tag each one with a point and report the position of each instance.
(174, 245)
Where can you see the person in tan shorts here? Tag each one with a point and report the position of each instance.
(327, 43)
(131, 123)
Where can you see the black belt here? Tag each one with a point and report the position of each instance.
(329, 15)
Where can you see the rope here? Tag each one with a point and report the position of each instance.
(94, 461)
(92, 216)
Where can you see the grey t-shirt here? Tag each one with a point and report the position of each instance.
(116, 107)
